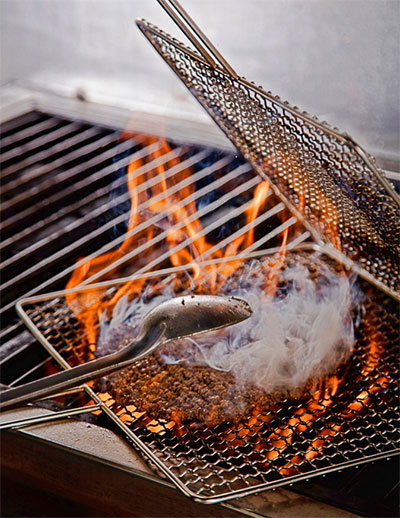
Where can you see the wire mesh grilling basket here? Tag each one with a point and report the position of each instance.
(326, 180)
(288, 441)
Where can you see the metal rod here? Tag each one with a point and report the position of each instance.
(34, 144)
(38, 140)
(116, 283)
(45, 418)
(30, 131)
(273, 233)
(70, 391)
(98, 232)
(27, 343)
(49, 182)
(61, 253)
(290, 245)
(200, 34)
(85, 182)
(89, 216)
(10, 329)
(202, 212)
(378, 175)
(27, 373)
(187, 33)
(184, 183)
(264, 216)
(201, 233)
(65, 158)
(28, 120)
(196, 35)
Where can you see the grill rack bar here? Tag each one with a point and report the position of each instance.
(47, 418)
(25, 121)
(88, 134)
(34, 150)
(78, 186)
(61, 177)
(49, 261)
(12, 348)
(104, 249)
(48, 132)
(207, 209)
(36, 368)
(101, 210)
(105, 227)
(69, 228)
(28, 132)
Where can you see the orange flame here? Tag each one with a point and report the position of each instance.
(320, 401)
(184, 235)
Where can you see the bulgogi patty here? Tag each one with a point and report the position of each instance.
(191, 392)
(185, 392)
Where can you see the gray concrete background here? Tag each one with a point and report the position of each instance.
(337, 59)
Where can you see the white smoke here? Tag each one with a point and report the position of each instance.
(303, 332)
(290, 339)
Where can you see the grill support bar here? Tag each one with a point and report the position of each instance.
(73, 155)
(47, 418)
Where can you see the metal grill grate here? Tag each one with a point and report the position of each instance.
(291, 441)
(57, 175)
(323, 176)
(64, 196)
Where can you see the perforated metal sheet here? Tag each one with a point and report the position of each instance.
(323, 176)
(291, 441)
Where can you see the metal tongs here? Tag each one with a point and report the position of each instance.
(176, 318)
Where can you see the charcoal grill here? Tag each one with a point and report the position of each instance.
(31, 362)
(218, 489)
(22, 356)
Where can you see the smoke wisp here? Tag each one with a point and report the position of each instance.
(301, 333)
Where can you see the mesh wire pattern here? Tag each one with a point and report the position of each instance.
(323, 176)
(292, 440)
